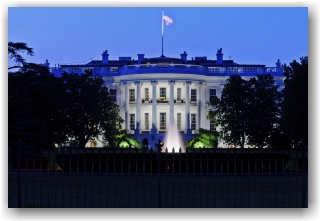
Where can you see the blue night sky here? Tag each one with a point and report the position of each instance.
(71, 35)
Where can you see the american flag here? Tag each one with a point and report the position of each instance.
(167, 19)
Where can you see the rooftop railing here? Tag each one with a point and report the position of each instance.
(174, 68)
(196, 69)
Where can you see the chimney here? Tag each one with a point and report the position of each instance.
(279, 67)
(184, 56)
(219, 56)
(140, 58)
(105, 57)
(47, 64)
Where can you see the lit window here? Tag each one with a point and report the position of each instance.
(162, 121)
(93, 143)
(163, 92)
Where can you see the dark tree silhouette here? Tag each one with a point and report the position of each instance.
(33, 104)
(89, 111)
(233, 108)
(295, 103)
(14, 52)
(264, 103)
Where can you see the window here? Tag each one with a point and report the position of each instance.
(146, 94)
(193, 95)
(212, 94)
(179, 121)
(113, 94)
(132, 95)
(146, 121)
(193, 122)
(163, 121)
(93, 143)
(178, 94)
(163, 92)
(132, 121)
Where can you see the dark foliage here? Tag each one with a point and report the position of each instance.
(264, 104)
(233, 108)
(33, 101)
(14, 50)
(295, 103)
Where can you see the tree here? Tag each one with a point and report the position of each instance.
(14, 50)
(32, 105)
(263, 109)
(89, 111)
(295, 104)
(33, 100)
(233, 108)
(214, 111)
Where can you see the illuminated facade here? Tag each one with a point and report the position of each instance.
(152, 91)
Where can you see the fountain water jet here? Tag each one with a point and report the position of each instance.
(173, 139)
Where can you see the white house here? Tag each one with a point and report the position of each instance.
(153, 91)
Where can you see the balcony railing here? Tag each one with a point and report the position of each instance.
(160, 100)
(196, 69)
(155, 68)
(170, 68)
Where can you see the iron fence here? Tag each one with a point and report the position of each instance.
(104, 177)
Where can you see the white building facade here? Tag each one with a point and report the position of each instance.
(152, 92)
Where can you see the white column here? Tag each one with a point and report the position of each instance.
(188, 130)
(126, 105)
(199, 105)
(154, 106)
(171, 102)
(138, 108)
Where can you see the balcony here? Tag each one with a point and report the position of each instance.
(214, 70)
(197, 69)
(146, 100)
(163, 100)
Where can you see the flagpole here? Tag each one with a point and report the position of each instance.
(162, 34)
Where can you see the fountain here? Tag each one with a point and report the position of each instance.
(173, 140)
